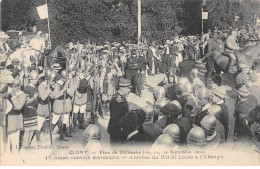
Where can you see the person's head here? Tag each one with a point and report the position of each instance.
(196, 138)
(16, 84)
(174, 131)
(171, 77)
(149, 113)
(194, 73)
(242, 92)
(92, 132)
(203, 96)
(39, 34)
(3, 89)
(164, 142)
(244, 67)
(124, 87)
(187, 111)
(208, 124)
(56, 67)
(159, 92)
(218, 94)
(33, 77)
(216, 81)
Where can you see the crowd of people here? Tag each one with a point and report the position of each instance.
(37, 93)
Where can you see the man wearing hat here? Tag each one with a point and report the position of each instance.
(29, 115)
(56, 68)
(5, 108)
(185, 67)
(231, 46)
(242, 77)
(151, 129)
(43, 110)
(242, 109)
(38, 44)
(5, 50)
(15, 119)
(132, 73)
(82, 100)
(62, 104)
(150, 58)
(208, 125)
(118, 108)
(218, 97)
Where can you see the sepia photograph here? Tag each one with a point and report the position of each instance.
(130, 83)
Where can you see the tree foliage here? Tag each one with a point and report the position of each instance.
(116, 20)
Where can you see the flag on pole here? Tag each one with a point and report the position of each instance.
(204, 15)
(43, 11)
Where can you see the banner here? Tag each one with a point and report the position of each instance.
(43, 11)
(204, 15)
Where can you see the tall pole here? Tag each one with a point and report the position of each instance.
(48, 25)
(202, 20)
(139, 21)
(202, 28)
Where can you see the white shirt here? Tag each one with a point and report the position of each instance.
(37, 44)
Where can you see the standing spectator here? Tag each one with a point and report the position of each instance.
(118, 108)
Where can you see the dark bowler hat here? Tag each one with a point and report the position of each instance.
(124, 83)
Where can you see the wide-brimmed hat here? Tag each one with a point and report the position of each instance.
(219, 91)
(124, 83)
(243, 91)
(56, 66)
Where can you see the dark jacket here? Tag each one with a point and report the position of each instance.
(142, 63)
(152, 131)
(118, 108)
(224, 118)
(185, 126)
(185, 68)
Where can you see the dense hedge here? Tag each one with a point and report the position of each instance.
(116, 20)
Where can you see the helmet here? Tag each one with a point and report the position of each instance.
(188, 87)
(175, 102)
(64, 74)
(161, 103)
(91, 133)
(159, 92)
(209, 122)
(3, 87)
(149, 112)
(164, 140)
(16, 83)
(196, 137)
(33, 75)
(174, 131)
(215, 110)
(194, 73)
(203, 93)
